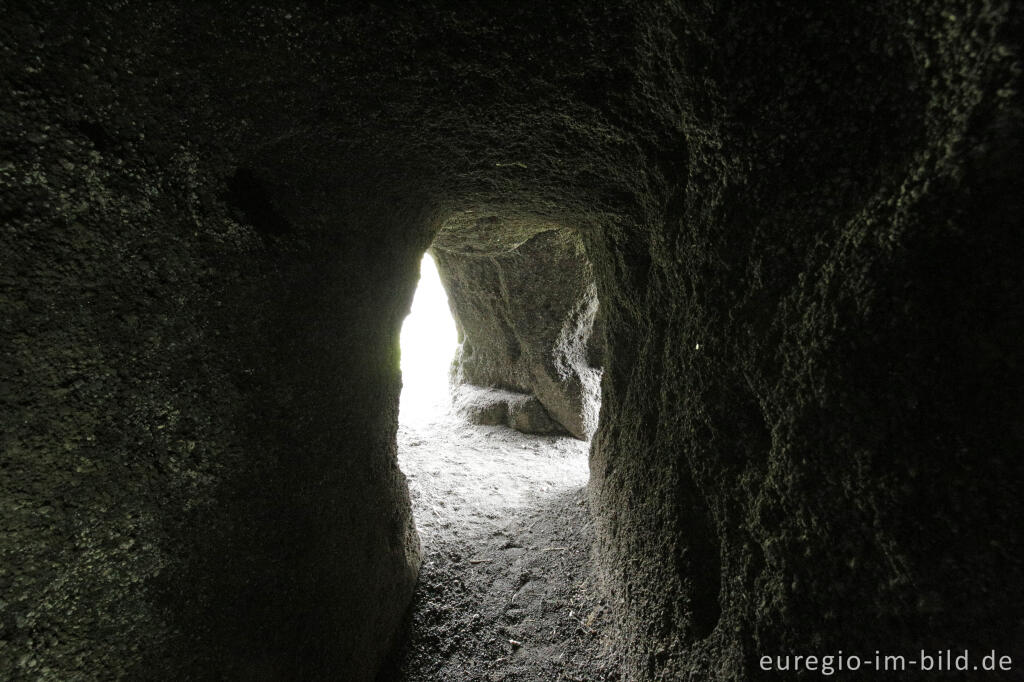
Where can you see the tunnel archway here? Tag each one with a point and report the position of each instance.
(498, 480)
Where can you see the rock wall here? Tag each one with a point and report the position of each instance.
(803, 224)
(808, 418)
(524, 303)
(199, 387)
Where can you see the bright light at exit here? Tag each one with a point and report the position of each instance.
(428, 346)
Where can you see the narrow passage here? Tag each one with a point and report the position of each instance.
(506, 587)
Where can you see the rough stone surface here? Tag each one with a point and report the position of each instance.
(493, 406)
(523, 297)
(198, 384)
(803, 221)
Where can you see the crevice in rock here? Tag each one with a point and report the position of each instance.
(96, 134)
(699, 561)
(248, 195)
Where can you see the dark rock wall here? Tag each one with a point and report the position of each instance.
(199, 381)
(803, 223)
(808, 438)
(525, 316)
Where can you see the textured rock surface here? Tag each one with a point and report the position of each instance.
(804, 228)
(524, 301)
(808, 415)
(199, 384)
(196, 475)
(494, 406)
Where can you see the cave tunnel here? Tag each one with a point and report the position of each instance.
(493, 436)
(802, 226)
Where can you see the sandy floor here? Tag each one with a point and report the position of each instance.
(505, 591)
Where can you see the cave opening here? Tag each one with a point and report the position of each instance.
(428, 343)
(476, 440)
(498, 404)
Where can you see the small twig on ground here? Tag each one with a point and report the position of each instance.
(479, 561)
(555, 549)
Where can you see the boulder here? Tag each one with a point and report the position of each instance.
(492, 406)
(524, 302)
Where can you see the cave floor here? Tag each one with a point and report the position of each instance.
(506, 591)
